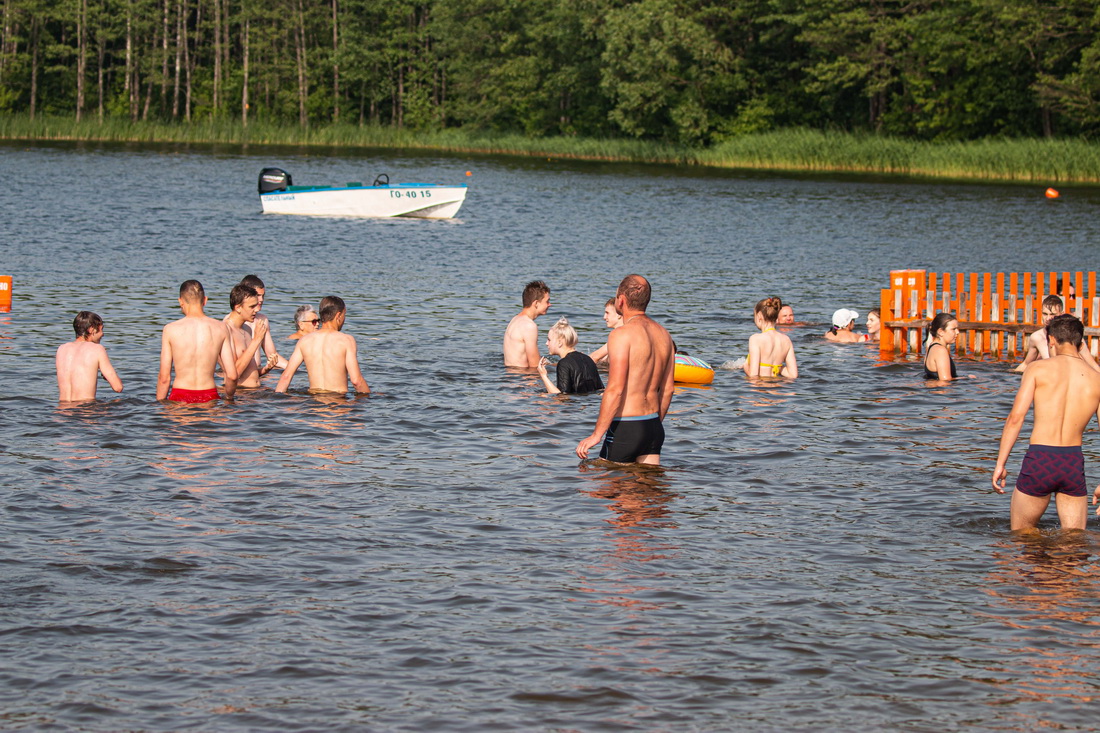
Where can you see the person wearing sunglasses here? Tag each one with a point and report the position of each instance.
(307, 321)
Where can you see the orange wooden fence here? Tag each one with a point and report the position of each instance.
(996, 311)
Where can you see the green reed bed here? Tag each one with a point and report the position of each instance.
(801, 150)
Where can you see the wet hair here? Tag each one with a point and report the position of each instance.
(86, 321)
(534, 291)
(331, 306)
(939, 323)
(192, 291)
(253, 282)
(565, 332)
(1066, 329)
(238, 294)
(299, 314)
(768, 308)
(1054, 301)
(637, 292)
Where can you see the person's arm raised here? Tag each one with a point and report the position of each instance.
(550, 386)
(259, 332)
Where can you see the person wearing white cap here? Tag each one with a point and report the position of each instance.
(844, 320)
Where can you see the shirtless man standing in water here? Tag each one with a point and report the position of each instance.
(194, 345)
(1066, 393)
(80, 362)
(329, 355)
(521, 338)
(639, 382)
(244, 305)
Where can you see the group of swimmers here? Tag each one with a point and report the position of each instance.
(194, 346)
(1060, 376)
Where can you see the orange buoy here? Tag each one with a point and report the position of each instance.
(469, 173)
(1052, 193)
(5, 293)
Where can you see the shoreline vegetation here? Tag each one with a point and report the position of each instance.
(1044, 161)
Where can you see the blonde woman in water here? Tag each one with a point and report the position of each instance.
(771, 353)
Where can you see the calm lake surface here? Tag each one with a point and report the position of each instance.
(819, 554)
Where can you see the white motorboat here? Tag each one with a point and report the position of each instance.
(278, 195)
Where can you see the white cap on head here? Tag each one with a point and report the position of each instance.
(843, 317)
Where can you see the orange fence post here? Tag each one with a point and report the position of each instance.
(5, 293)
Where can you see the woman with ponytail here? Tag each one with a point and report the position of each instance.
(938, 363)
(771, 354)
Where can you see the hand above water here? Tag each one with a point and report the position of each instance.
(585, 445)
(1000, 472)
(259, 328)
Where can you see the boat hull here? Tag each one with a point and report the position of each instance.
(418, 200)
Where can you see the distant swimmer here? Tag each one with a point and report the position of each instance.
(306, 320)
(771, 354)
(842, 331)
(639, 382)
(1066, 394)
(329, 355)
(193, 346)
(244, 306)
(521, 338)
(576, 372)
(1037, 342)
(786, 315)
(80, 362)
(613, 319)
(938, 364)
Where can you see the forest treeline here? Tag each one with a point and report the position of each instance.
(684, 71)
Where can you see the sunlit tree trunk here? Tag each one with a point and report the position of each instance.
(335, 64)
(179, 61)
(217, 55)
(244, 72)
(81, 56)
(303, 82)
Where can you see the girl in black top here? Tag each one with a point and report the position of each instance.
(576, 371)
(938, 363)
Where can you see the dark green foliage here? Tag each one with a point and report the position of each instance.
(688, 72)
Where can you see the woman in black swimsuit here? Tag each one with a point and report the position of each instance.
(938, 363)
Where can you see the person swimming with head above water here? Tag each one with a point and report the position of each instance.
(844, 321)
(576, 373)
(613, 319)
(306, 320)
(938, 363)
(771, 354)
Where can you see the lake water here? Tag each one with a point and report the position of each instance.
(818, 554)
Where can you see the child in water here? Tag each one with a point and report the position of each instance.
(771, 354)
(577, 372)
(80, 362)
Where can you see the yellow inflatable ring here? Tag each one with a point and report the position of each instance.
(690, 370)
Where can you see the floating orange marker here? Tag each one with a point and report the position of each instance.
(469, 173)
(1052, 193)
(5, 293)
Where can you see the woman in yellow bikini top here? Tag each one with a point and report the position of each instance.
(770, 345)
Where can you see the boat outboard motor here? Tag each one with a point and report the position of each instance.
(274, 179)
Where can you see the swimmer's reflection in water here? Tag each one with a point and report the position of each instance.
(638, 494)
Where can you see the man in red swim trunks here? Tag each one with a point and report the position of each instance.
(193, 345)
(1066, 393)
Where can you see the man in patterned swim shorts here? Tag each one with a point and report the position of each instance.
(1066, 394)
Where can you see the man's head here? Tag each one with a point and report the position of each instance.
(633, 292)
(1052, 306)
(537, 293)
(332, 309)
(256, 284)
(1066, 329)
(786, 315)
(88, 325)
(244, 301)
(306, 319)
(192, 292)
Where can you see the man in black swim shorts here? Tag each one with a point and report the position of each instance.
(1066, 394)
(641, 359)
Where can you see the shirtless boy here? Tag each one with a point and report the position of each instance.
(244, 306)
(1037, 341)
(80, 362)
(1066, 394)
(639, 382)
(193, 345)
(521, 338)
(329, 355)
(613, 319)
(274, 359)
